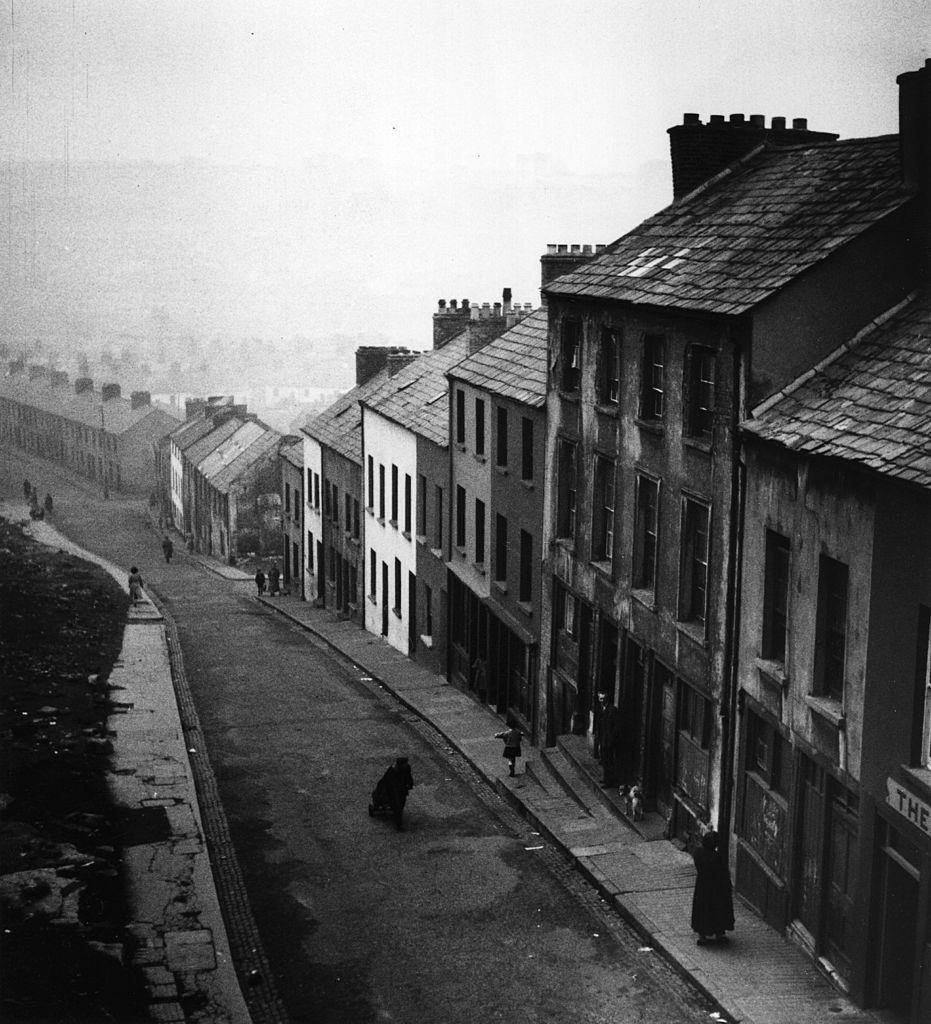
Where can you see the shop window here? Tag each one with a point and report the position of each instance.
(831, 635)
(775, 596)
(699, 391)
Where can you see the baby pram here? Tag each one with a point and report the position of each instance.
(390, 795)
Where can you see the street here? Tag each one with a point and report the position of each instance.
(463, 916)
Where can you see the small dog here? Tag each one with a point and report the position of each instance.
(633, 801)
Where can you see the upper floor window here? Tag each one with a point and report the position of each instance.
(693, 580)
(479, 532)
(394, 494)
(609, 367)
(501, 548)
(566, 481)
(526, 452)
(652, 378)
(371, 465)
(407, 503)
(460, 517)
(381, 491)
(831, 630)
(571, 354)
(525, 591)
(438, 518)
(460, 416)
(479, 426)
(355, 518)
(287, 498)
(501, 437)
(603, 511)
(775, 596)
(421, 505)
(347, 524)
(699, 391)
(646, 530)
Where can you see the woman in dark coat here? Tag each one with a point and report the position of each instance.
(713, 900)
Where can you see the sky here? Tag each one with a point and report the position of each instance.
(403, 152)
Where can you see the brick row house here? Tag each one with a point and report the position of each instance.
(658, 347)
(332, 460)
(498, 428)
(225, 482)
(99, 435)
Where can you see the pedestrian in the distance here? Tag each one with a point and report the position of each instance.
(27, 488)
(512, 737)
(260, 582)
(135, 585)
(168, 548)
(480, 678)
(273, 577)
(713, 899)
(48, 503)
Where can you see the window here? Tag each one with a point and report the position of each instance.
(334, 504)
(373, 574)
(310, 551)
(347, 523)
(460, 416)
(693, 581)
(768, 755)
(568, 613)
(566, 511)
(501, 437)
(609, 367)
(394, 495)
(571, 354)
(501, 549)
(646, 533)
(381, 491)
(287, 498)
(460, 517)
(479, 532)
(421, 505)
(526, 449)
(397, 586)
(652, 378)
(428, 610)
(479, 426)
(407, 503)
(438, 518)
(775, 596)
(831, 636)
(603, 511)
(699, 391)
(371, 501)
(526, 567)
(326, 499)
(921, 743)
(355, 518)
(316, 490)
(694, 716)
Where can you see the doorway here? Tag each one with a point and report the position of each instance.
(898, 921)
(384, 599)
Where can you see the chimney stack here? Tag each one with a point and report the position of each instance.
(59, 379)
(370, 359)
(139, 399)
(397, 360)
(561, 259)
(915, 149)
(109, 392)
(83, 384)
(700, 151)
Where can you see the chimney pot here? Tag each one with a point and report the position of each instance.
(442, 305)
(778, 124)
(800, 124)
(716, 119)
(691, 119)
(497, 309)
(454, 304)
(576, 248)
(737, 119)
(465, 303)
(562, 249)
(586, 250)
(758, 120)
(550, 249)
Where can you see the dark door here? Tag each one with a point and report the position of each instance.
(411, 614)
(631, 706)
(809, 867)
(841, 878)
(898, 923)
(321, 589)
(296, 562)
(384, 598)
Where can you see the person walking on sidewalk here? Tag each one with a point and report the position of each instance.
(713, 899)
(135, 585)
(512, 737)
(273, 577)
(168, 548)
(260, 582)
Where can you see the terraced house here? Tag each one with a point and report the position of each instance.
(780, 244)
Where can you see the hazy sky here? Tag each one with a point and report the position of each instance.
(512, 123)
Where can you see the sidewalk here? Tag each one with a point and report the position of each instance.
(758, 978)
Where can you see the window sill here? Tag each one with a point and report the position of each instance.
(406, 534)
(427, 641)
(527, 484)
(355, 541)
(421, 538)
(608, 409)
(380, 520)
(566, 543)
(437, 552)
(650, 426)
(772, 672)
(479, 457)
(695, 631)
(353, 608)
(569, 395)
(500, 586)
(700, 444)
(645, 597)
(829, 709)
(604, 567)
(396, 612)
(460, 447)
(526, 607)
(503, 470)
(393, 523)
(372, 599)
(461, 552)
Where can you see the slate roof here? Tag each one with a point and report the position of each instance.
(417, 396)
(294, 454)
(339, 426)
(84, 408)
(266, 444)
(191, 432)
(512, 366)
(869, 402)
(231, 448)
(216, 436)
(749, 231)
